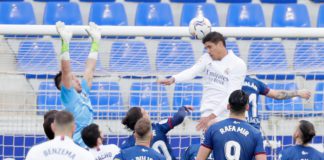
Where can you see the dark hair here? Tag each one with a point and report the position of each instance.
(132, 116)
(48, 120)
(238, 100)
(142, 127)
(63, 118)
(57, 80)
(90, 135)
(308, 131)
(214, 37)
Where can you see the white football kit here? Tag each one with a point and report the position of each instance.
(105, 152)
(60, 148)
(220, 79)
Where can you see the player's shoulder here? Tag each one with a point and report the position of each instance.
(235, 59)
(111, 147)
(205, 57)
(158, 155)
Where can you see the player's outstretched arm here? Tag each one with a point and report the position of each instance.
(65, 55)
(261, 157)
(203, 153)
(180, 115)
(283, 94)
(95, 34)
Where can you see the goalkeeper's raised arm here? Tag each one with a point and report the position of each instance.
(222, 71)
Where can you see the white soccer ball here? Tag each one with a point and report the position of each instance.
(199, 27)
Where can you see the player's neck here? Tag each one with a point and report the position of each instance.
(142, 143)
(63, 134)
(240, 117)
(300, 142)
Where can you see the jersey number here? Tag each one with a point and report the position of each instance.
(232, 150)
(253, 105)
(161, 146)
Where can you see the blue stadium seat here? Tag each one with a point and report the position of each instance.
(106, 100)
(192, 10)
(320, 18)
(188, 94)
(17, 13)
(246, 15)
(294, 104)
(174, 56)
(48, 98)
(79, 52)
(108, 14)
(319, 97)
(154, 14)
(290, 15)
(129, 57)
(36, 58)
(233, 1)
(278, 1)
(149, 95)
(189, 1)
(67, 12)
(309, 55)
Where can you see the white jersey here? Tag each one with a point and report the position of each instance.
(60, 148)
(105, 152)
(220, 79)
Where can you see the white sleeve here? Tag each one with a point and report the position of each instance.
(236, 80)
(190, 73)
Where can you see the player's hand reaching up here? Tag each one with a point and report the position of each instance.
(94, 32)
(65, 34)
(189, 108)
(303, 93)
(168, 81)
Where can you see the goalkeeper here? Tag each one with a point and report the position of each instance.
(75, 94)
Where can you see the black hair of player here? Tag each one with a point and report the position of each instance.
(238, 100)
(132, 116)
(49, 118)
(57, 80)
(308, 131)
(90, 135)
(214, 37)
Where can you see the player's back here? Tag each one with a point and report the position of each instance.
(300, 152)
(60, 148)
(139, 153)
(105, 152)
(234, 139)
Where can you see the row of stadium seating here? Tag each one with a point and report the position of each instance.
(106, 98)
(185, 1)
(159, 14)
(171, 56)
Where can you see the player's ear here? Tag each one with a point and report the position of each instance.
(73, 127)
(53, 127)
(99, 141)
(228, 107)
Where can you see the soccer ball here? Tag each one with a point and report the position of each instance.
(199, 27)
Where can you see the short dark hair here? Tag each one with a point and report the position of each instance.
(238, 100)
(132, 116)
(214, 37)
(63, 118)
(48, 120)
(90, 135)
(142, 127)
(57, 80)
(308, 131)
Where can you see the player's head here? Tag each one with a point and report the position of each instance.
(92, 136)
(48, 120)
(63, 123)
(143, 132)
(305, 132)
(75, 82)
(238, 103)
(133, 115)
(215, 44)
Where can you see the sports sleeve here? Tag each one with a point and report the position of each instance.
(190, 73)
(259, 149)
(282, 156)
(263, 88)
(68, 96)
(85, 87)
(208, 139)
(186, 154)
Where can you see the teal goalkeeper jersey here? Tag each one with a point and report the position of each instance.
(80, 106)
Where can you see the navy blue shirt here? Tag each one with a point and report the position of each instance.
(139, 152)
(233, 139)
(253, 87)
(192, 152)
(300, 152)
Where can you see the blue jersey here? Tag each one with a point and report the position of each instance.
(300, 152)
(254, 88)
(192, 152)
(233, 139)
(80, 106)
(139, 153)
(160, 141)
